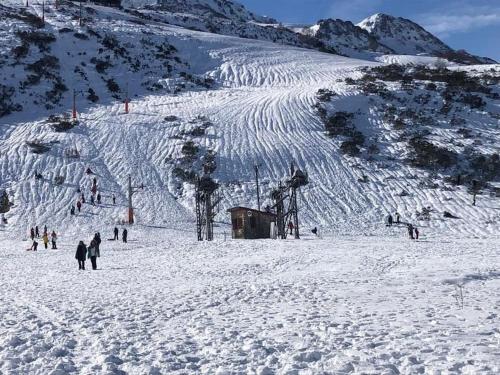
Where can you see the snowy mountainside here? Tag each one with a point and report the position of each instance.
(402, 35)
(227, 101)
(345, 37)
(405, 37)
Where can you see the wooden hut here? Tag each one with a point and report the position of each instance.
(248, 223)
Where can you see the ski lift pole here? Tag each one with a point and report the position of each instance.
(131, 191)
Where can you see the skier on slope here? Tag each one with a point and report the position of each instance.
(390, 220)
(32, 233)
(92, 201)
(397, 218)
(53, 237)
(83, 198)
(417, 233)
(72, 210)
(99, 198)
(81, 253)
(124, 235)
(290, 227)
(79, 206)
(114, 199)
(37, 232)
(115, 232)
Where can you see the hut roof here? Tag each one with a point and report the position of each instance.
(240, 208)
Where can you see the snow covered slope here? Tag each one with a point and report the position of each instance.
(242, 101)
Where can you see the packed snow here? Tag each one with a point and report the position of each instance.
(166, 304)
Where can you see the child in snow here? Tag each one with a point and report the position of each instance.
(34, 246)
(45, 240)
(53, 237)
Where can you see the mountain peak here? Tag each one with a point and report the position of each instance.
(403, 35)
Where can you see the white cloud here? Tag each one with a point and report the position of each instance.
(444, 25)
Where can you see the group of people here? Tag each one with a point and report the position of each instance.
(413, 232)
(124, 234)
(390, 219)
(35, 233)
(95, 197)
(91, 252)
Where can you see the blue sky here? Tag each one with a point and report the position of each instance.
(473, 25)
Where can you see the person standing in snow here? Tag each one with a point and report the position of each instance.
(81, 253)
(79, 206)
(397, 218)
(37, 233)
(83, 198)
(124, 235)
(32, 233)
(98, 198)
(417, 233)
(72, 210)
(97, 239)
(92, 202)
(410, 231)
(115, 231)
(114, 199)
(53, 237)
(92, 254)
(389, 220)
(45, 229)
(290, 227)
(45, 239)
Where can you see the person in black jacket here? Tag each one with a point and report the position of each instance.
(124, 235)
(115, 231)
(81, 254)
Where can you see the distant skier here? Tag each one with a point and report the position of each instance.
(32, 233)
(79, 206)
(98, 198)
(114, 199)
(81, 254)
(92, 201)
(45, 240)
(92, 254)
(417, 233)
(72, 210)
(37, 232)
(83, 198)
(389, 220)
(53, 237)
(45, 229)
(34, 246)
(397, 218)
(290, 227)
(115, 231)
(410, 231)
(124, 235)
